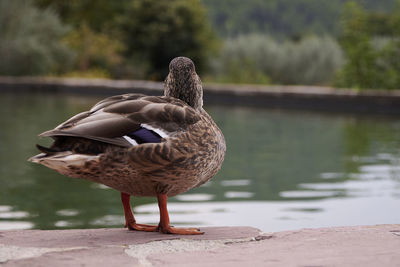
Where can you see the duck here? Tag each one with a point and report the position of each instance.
(142, 146)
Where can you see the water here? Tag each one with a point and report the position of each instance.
(283, 170)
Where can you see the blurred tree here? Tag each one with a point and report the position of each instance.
(257, 58)
(282, 18)
(239, 70)
(30, 40)
(136, 38)
(96, 52)
(389, 63)
(371, 43)
(93, 37)
(360, 69)
(157, 31)
(96, 14)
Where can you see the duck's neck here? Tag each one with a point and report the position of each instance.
(189, 90)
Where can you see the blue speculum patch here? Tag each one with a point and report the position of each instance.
(144, 135)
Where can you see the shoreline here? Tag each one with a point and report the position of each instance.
(314, 98)
(376, 245)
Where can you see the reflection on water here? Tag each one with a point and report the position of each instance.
(283, 170)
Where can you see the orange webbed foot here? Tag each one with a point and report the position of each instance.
(164, 226)
(180, 231)
(141, 227)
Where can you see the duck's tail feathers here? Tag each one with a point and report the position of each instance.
(62, 161)
(46, 150)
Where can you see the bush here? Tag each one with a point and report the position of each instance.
(372, 47)
(30, 40)
(94, 50)
(360, 69)
(157, 31)
(135, 38)
(312, 60)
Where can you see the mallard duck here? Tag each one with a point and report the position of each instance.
(142, 145)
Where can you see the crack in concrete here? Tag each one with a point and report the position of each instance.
(157, 247)
(253, 239)
(8, 253)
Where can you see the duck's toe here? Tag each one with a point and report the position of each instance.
(141, 227)
(180, 231)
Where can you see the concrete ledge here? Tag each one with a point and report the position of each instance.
(287, 97)
(219, 246)
(78, 86)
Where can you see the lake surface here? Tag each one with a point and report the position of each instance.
(283, 170)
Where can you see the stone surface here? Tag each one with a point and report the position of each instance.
(219, 246)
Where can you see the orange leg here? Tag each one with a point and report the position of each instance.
(164, 226)
(130, 221)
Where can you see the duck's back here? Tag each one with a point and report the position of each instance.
(139, 145)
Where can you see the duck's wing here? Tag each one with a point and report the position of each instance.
(114, 118)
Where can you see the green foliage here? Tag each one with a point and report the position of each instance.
(94, 37)
(389, 62)
(157, 31)
(135, 38)
(30, 40)
(96, 14)
(259, 58)
(239, 71)
(95, 50)
(372, 51)
(360, 70)
(282, 18)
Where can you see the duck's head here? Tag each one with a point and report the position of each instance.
(183, 82)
